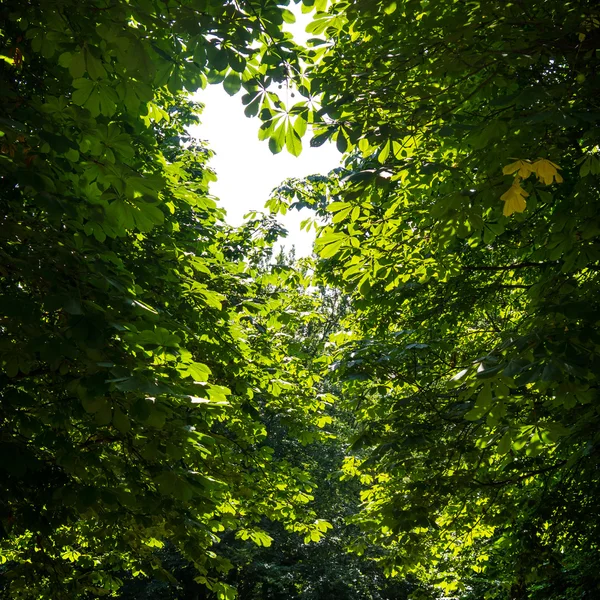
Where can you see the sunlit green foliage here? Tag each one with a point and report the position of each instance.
(160, 378)
(472, 357)
(138, 379)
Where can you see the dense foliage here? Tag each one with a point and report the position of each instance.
(138, 380)
(466, 228)
(166, 388)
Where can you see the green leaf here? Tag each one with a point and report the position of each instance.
(505, 443)
(384, 152)
(197, 371)
(337, 206)
(171, 484)
(288, 16)
(84, 87)
(278, 139)
(341, 215)
(330, 250)
(293, 143)
(300, 126)
(232, 83)
(121, 421)
(103, 415)
(484, 398)
(94, 66)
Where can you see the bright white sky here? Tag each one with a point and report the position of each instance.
(246, 169)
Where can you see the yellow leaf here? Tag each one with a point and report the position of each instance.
(523, 168)
(547, 171)
(514, 199)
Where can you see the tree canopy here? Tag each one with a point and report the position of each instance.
(137, 375)
(465, 228)
(422, 394)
